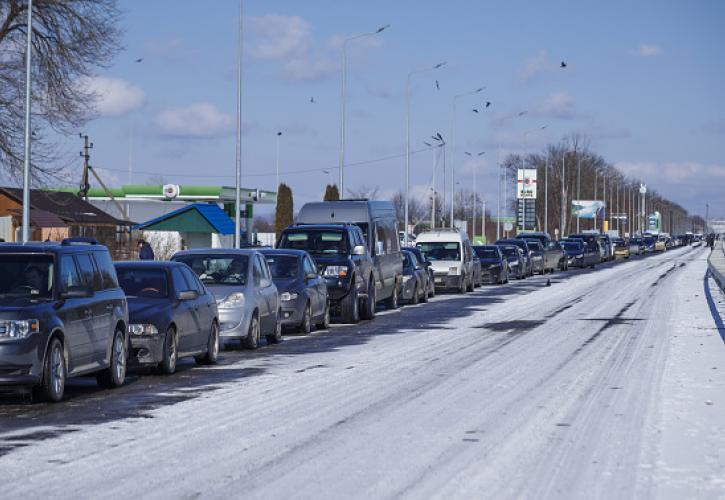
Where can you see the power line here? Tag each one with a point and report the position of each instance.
(289, 172)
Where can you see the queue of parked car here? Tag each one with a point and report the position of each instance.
(67, 310)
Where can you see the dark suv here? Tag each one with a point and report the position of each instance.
(343, 261)
(62, 314)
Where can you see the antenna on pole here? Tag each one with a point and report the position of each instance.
(85, 186)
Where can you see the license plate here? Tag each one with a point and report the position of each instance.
(439, 280)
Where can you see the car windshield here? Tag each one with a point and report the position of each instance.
(570, 245)
(139, 282)
(282, 266)
(534, 245)
(510, 251)
(486, 253)
(440, 250)
(649, 241)
(316, 241)
(407, 260)
(218, 269)
(26, 276)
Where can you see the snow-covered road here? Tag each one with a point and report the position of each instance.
(607, 384)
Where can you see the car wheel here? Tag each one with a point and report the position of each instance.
(392, 301)
(251, 341)
(368, 311)
(52, 385)
(276, 337)
(212, 347)
(170, 355)
(414, 298)
(424, 295)
(432, 291)
(350, 307)
(325, 323)
(115, 374)
(471, 285)
(306, 325)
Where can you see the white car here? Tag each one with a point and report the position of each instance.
(451, 256)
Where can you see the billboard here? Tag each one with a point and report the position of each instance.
(587, 209)
(526, 184)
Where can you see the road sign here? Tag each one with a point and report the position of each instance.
(526, 214)
(508, 226)
(642, 189)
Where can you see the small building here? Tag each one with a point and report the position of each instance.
(197, 225)
(57, 215)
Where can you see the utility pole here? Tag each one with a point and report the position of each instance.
(87, 146)
(26, 160)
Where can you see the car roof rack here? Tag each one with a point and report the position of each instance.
(79, 241)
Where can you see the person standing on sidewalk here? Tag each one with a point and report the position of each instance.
(145, 252)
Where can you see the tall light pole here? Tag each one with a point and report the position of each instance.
(563, 190)
(276, 159)
(526, 134)
(407, 143)
(505, 178)
(436, 152)
(26, 162)
(578, 186)
(453, 144)
(343, 93)
(238, 162)
(483, 221)
(475, 192)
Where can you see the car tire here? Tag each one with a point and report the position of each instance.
(251, 341)
(115, 374)
(170, 353)
(306, 324)
(414, 299)
(392, 301)
(276, 336)
(432, 291)
(424, 295)
(350, 307)
(471, 284)
(212, 347)
(52, 385)
(324, 324)
(368, 312)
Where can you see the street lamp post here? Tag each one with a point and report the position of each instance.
(276, 161)
(26, 162)
(503, 178)
(238, 162)
(342, 101)
(475, 192)
(526, 134)
(563, 190)
(453, 144)
(578, 186)
(407, 143)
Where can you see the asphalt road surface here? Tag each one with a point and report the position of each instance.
(605, 384)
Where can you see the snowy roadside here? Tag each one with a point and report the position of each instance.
(691, 454)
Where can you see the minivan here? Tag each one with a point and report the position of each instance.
(379, 226)
(451, 255)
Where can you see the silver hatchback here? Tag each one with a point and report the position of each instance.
(242, 285)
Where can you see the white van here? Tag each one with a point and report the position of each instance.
(451, 255)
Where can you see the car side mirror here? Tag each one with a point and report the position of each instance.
(187, 295)
(265, 282)
(427, 263)
(77, 292)
(358, 250)
(311, 276)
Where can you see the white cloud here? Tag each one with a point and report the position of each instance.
(199, 120)
(648, 50)
(114, 96)
(674, 172)
(278, 37)
(558, 105)
(534, 66)
(308, 69)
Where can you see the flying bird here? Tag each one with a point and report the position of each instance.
(488, 103)
(139, 59)
(312, 100)
(563, 64)
(474, 110)
(428, 144)
(438, 85)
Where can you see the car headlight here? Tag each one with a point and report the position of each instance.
(335, 272)
(452, 270)
(18, 329)
(232, 300)
(407, 278)
(287, 296)
(142, 329)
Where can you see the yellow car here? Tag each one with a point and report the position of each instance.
(621, 248)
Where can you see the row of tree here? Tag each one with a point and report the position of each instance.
(566, 171)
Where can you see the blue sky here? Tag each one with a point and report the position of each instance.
(644, 82)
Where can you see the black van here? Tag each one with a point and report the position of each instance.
(62, 314)
(379, 226)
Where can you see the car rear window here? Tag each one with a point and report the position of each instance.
(486, 253)
(282, 266)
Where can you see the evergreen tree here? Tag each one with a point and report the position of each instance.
(331, 193)
(285, 209)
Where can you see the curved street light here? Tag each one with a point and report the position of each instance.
(342, 101)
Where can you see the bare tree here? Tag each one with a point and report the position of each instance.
(70, 39)
(364, 191)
